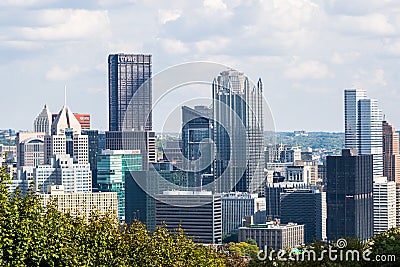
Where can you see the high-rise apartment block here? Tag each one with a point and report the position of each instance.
(238, 133)
(129, 75)
(349, 196)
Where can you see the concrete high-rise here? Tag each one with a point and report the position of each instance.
(238, 133)
(43, 121)
(391, 155)
(126, 74)
(384, 205)
(363, 127)
(349, 196)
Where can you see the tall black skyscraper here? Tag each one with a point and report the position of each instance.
(126, 74)
(349, 196)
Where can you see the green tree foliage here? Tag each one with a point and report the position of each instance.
(33, 236)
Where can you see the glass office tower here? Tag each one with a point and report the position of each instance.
(126, 74)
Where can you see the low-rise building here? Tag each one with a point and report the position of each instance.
(273, 235)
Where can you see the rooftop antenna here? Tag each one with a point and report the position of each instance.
(65, 95)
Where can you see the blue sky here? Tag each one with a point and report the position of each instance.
(305, 51)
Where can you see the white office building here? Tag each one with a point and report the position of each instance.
(384, 204)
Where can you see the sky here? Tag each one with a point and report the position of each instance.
(305, 51)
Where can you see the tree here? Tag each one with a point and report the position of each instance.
(32, 235)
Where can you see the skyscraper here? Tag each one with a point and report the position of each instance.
(351, 98)
(391, 156)
(349, 196)
(363, 126)
(43, 121)
(238, 133)
(370, 133)
(126, 74)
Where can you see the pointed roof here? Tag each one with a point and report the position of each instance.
(45, 113)
(65, 119)
(42, 122)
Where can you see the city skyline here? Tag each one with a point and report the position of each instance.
(305, 62)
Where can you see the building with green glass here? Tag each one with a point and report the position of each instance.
(112, 166)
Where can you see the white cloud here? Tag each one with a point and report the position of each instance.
(345, 57)
(212, 45)
(173, 46)
(69, 24)
(371, 24)
(24, 3)
(365, 78)
(310, 69)
(214, 5)
(165, 16)
(57, 73)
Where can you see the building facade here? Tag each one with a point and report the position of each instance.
(238, 133)
(112, 168)
(391, 156)
(198, 213)
(349, 196)
(384, 205)
(196, 141)
(306, 207)
(126, 74)
(80, 204)
(363, 127)
(43, 121)
(236, 206)
(30, 149)
(273, 235)
(75, 177)
(143, 141)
